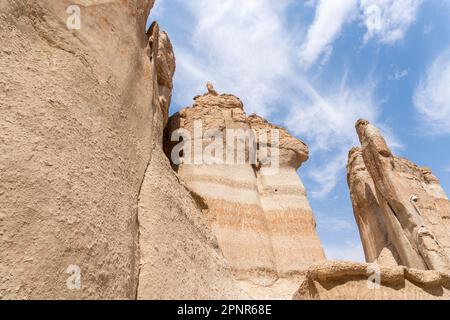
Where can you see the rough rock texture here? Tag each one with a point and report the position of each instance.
(409, 202)
(179, 255)
(81, 112)
(76, 131)
(263, 221)
(342, 280)
(180, 258)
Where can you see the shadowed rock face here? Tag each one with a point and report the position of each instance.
(398, 205)
(263, 222)
(368, 214)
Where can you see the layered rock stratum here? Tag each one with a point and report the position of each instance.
(261, 218)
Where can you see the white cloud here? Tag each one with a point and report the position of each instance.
(388, 20)
(349, 251)
(310, 3)
(327, 122)
(432, 96)
(385, 20)
(328, 22)
(398, 73)
(241, 46)
(247, 48)
(328, 118)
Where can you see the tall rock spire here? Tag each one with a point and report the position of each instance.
(406, 199)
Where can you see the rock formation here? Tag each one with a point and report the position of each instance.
(77, 109)
(80, 110)
(368, 214)
(403, 217)
(414, 207)
(261, 218)
(92, 208)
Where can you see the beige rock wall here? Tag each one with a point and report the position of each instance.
(179, 254)
(263, 223)
(76, 131)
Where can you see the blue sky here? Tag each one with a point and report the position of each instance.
(315, 67)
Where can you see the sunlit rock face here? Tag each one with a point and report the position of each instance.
(76, 127)
(260, 216)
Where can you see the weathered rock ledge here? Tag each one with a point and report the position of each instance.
(342, 280)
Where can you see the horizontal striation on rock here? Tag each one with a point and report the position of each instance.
(263, 222)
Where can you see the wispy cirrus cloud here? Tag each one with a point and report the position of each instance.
(432, 96)
(330, 17)
(386, 21)
(243, 47)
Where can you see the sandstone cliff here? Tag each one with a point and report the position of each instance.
(81, 112)
(262, 220)
(77, 110)
(368, 214)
